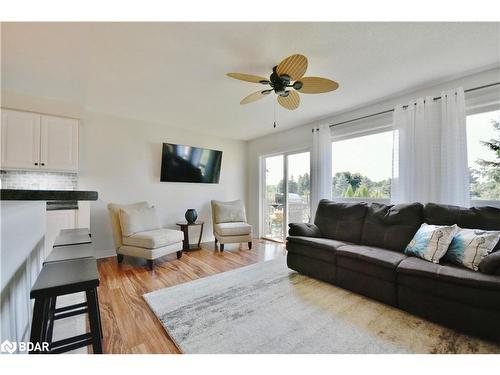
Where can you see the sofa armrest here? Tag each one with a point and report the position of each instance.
(304, 230)
(491, 263)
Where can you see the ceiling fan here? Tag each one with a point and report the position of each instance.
(291, 69)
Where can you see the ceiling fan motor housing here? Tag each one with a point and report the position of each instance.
(279, 82)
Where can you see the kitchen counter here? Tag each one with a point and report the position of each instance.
(24, 225)
(47, 195)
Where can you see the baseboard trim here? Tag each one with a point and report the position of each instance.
(105, 254)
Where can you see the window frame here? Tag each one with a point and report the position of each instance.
(474, 109)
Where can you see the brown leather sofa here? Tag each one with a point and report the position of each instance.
(359, 246)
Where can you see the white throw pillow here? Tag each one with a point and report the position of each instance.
(229, 212)
(470, 246)
(431, 242)
(134, 220)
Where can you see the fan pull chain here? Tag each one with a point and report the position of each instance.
(274, 126)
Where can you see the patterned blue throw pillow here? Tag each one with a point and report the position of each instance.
(470, 246)
(431, 242)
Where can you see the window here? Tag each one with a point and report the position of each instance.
(362, 167)
(483, 153)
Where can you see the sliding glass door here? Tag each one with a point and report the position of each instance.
(273, 191)
(298, 188)
(284, 203)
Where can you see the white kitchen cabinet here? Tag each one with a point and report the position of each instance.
(39, 142)
(20, 140)
(58, 143)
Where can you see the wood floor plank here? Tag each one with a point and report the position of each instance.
(129, 325)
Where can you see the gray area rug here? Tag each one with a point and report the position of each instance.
(267, 308)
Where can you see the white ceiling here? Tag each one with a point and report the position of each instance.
(174, 73)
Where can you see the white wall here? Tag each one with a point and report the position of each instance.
(121, 159)
(301, 137)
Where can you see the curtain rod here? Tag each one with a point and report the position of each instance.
(392, 110)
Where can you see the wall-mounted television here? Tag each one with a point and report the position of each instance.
(180, 163)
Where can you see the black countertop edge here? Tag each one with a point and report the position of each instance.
(47, 195)
(61, 208)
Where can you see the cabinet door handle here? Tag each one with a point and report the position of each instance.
(36, 163)
(42, 164)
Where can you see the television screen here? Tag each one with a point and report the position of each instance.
(181, 163)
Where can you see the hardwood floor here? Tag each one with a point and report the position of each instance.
(129, 325)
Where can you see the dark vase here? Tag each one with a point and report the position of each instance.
(191, 215)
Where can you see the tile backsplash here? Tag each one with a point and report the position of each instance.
(38, 180)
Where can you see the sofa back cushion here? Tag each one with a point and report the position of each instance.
(341, 221)
(391, 226)
(486, 218)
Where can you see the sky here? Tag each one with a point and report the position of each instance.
(479, 128)
(298, 164)
(371, 155)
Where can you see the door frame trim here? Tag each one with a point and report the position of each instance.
(262, 186)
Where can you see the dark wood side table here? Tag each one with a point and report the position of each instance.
(185, 228)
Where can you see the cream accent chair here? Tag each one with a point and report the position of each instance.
(230, 223)
(149, 244)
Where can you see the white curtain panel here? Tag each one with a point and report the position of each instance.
(430, 151)
(416, 155)
(321, 167)
(454, 166)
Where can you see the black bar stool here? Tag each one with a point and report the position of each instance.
(72, 237)
(57, 279)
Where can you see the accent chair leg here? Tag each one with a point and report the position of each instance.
(215, 243)
(250, 245)
(179, 254)
(221, 247)
(119, 257)
(151, 264)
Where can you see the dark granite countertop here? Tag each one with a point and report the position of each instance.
(47, 195)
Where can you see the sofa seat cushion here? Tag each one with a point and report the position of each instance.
(325, 243)
(233, 229)
(317, 248)
(391, 226)
(153, 239)
(373, 261)
(450, 282)
(448, 272)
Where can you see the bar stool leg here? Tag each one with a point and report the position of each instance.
(38, 324)
(50, 328)
(99, 313)
(94, 321)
